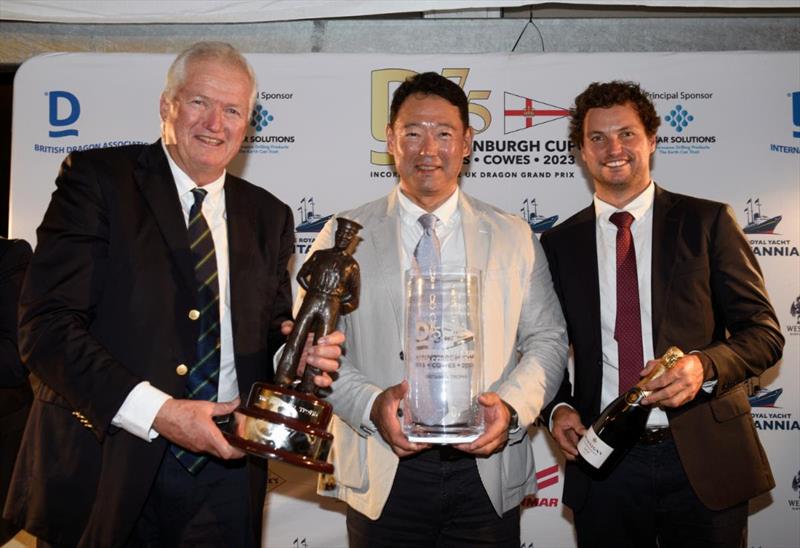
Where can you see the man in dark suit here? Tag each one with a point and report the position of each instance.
(15, 391)
(639, 270)
(154, 299)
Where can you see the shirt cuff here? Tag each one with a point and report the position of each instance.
(552, 413)
(139, 410)
(367, 426)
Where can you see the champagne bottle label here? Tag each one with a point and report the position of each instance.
(594, 450)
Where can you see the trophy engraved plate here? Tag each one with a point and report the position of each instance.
(286, 420)
(443, 356)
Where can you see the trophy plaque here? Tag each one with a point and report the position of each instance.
(286, 420)
(443, 356)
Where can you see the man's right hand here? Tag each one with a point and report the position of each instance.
(567, 430)
(384, 416)
(189, 424)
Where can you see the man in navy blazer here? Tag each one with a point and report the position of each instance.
(688, 479)
(109, 323)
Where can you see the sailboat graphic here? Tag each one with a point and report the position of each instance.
(756, 222)
(539, 223)
(310, 221)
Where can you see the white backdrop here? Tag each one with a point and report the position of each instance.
(731, 132)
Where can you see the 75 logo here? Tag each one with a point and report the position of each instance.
(385, 81)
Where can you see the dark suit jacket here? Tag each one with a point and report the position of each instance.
(104, 306)
(705, 280)
(15, 391)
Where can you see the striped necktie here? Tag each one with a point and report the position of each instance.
(203, 378)
(427, 254)
(628, 327)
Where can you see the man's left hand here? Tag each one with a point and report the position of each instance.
(496, 419)
(678, 385)
(324, 355)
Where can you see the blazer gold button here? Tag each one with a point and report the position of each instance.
(194, 314)
(182, 369)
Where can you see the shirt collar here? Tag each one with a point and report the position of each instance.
(185, 184)
(638, 207)
(410, 212)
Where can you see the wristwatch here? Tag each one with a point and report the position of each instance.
(513, 421)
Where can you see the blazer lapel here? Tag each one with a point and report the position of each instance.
(241, 238)
(585, 253)
(384, 238)
(158, 188)
(477, 234)
(666, 226)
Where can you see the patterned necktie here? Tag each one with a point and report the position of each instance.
(628, 328)
(203, 378)
(427, 253)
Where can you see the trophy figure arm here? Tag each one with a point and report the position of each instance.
(304, 275)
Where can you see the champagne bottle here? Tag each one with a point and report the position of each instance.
(621, 422)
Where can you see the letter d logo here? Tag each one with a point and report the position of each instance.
(66, 104)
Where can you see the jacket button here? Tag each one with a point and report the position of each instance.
(194, 314)
(182, 369)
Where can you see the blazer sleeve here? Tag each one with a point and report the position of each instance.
(541, 343)
(12, 270)
(741, 306)
(62, 289)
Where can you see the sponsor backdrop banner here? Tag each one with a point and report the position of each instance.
(731, 132)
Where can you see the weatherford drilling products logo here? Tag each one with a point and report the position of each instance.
(760, 224)
(545, 478)
(308, 226)
(794, 503)
(515, 156)
(794, 116)
(538, 223)
(768, 415)
(263, 119)
(793, 327)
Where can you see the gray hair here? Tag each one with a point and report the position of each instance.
(204, 51)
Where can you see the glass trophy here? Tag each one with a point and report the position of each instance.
(443, 355)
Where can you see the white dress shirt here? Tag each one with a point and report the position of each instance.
(139, 410)
(606, 235)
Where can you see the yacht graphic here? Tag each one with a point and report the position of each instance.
(538, 223)
(756, 222)
(765, 398)
(310, 221)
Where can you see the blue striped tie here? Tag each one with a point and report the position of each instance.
(203, 379)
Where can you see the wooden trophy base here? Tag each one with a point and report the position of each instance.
(283, 424)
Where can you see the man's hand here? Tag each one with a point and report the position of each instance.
(567, 430)
(384, 415)
(678, 385)
(495, 436)
(324, 355)
(189, 424)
